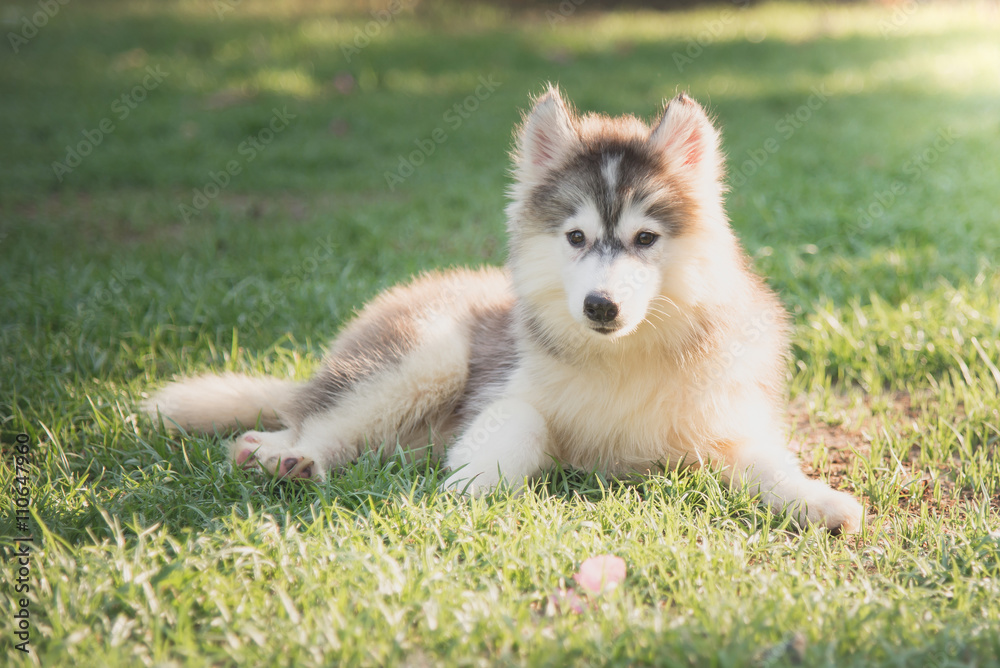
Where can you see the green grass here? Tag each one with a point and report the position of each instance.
(151, 549)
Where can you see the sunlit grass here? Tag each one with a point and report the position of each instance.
(880, 236)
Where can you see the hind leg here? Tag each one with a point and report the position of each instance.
(274, 453)
(392, 377)
(401, 404)
(384, 412)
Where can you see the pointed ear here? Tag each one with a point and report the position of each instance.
(545, 138)
(687, 139)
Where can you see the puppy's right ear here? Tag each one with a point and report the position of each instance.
(546, 137)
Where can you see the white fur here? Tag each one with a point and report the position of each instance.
(369, 417)
(507, 441)
(207, 403)
(609, 170)
(649, 394)
(629, 281)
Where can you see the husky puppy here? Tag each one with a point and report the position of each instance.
(627, 333)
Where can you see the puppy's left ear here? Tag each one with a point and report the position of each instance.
(688, 140)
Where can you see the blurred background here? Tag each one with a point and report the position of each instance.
(174, 171)
(189, 185)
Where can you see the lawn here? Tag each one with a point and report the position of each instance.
(191, 186)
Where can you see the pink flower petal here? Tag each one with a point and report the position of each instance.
(599, 575)
(564, 601)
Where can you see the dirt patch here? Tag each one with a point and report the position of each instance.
(845, 433)
(846, 428)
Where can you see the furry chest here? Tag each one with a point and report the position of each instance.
(617, 422)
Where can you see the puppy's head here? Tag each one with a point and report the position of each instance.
(607, 214)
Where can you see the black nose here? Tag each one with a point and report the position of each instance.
(599, 308)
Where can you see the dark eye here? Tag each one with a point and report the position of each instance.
(645, 239)
(576, 238)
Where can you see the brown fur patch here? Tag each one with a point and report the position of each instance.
(389, 329)
(492, 357)
(380, 337)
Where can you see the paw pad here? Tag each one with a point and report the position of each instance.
(295, 467)
(246, 458)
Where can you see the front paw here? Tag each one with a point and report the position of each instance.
(839, 512)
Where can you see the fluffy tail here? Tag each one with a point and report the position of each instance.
(222, 403)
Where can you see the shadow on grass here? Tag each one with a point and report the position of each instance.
(190, 487)
(354, 118)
